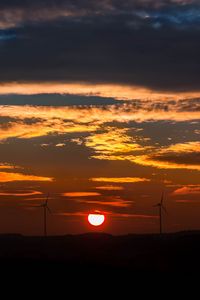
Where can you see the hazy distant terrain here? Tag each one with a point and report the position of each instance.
(172, 252)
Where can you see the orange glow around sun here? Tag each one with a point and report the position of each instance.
(96, 219)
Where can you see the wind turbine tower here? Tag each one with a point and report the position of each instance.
(161, 209)
(45, 209)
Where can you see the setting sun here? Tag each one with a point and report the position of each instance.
(96, 219)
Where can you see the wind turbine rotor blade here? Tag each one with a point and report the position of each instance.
(156, 205)
(49, 210)
(164, 209)
(47, 198)
(162, 198)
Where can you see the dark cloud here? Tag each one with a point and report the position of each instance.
(55, 100)
(98, 6)
(186, 158)
(149, 43)
(18, 13)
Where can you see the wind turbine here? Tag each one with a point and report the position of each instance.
(45, 209)
(162, 209)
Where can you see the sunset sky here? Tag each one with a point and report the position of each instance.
(100, 108)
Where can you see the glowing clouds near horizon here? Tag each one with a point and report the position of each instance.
(96, 219)
(120, 179)
(9, 177)
(80, 194)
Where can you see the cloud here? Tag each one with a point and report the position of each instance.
(188, 201)
(177, 156)
(113, 141)
(139, 112)
(188, 147)
(135, 216)
(8, 167)
(35, 199)
(187, 190)
(20, 12)
(60, 145)
(162, 162)
(112, 214)
(74, 214)
(112, 201)
(80, 194)
(10, 177)
(110, 188)
(119, 179)
(35, 121)
(69, 90)
(54, 99)
(135, 43)
(15, 14)
(21, 194)
(100, 131)
(22, 130)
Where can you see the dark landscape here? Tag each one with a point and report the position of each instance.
(177, 252)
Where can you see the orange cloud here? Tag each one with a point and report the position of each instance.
(112, 142)
(9, 177)
(176, 156)
(117, 91)
(19, 129)
(80, 194)
(119, 179)
(60, 145)
(31, 193)
(186, 190)
(8, 167)
(172, 157)
(148, 160)
(114, 202)
(72, 214)
(122, 215)
(110, 188)
(88, 119)
(183, 147)
(135, 216)
(188, 201)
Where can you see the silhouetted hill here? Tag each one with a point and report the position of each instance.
(169, 253)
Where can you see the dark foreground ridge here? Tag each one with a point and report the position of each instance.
(171, 252)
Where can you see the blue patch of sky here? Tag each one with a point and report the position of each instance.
(187, 16)
(7, 35)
